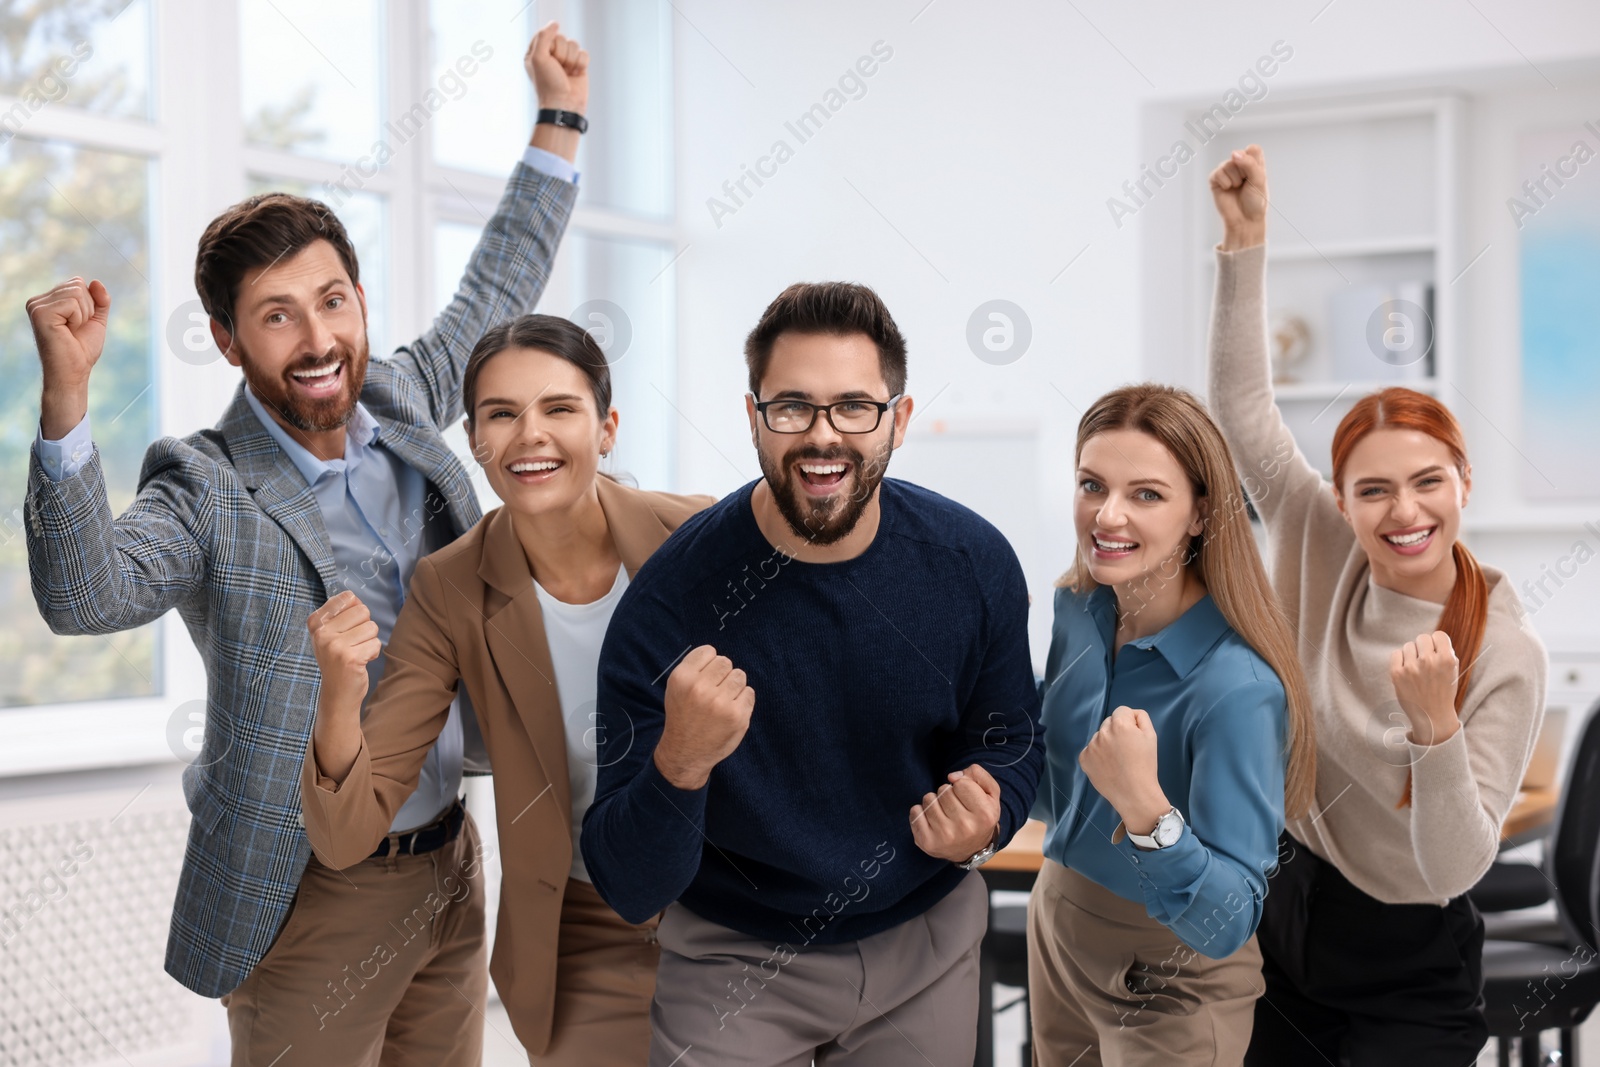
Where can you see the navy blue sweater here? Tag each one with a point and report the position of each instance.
(874, 678)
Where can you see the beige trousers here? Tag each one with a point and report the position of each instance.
(379, 964)
(605, 977)
(906, 997)
(1109, 985)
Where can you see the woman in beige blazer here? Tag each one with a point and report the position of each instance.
(514, 610)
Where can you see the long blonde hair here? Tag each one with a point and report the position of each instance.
(1223, 554)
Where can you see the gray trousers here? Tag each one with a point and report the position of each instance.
(906, 996)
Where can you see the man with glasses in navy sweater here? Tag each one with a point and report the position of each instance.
(882, 630)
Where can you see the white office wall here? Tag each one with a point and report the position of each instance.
(976, 166)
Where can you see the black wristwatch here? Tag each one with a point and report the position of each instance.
(568, 119)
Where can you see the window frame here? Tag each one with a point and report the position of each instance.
(200, 165)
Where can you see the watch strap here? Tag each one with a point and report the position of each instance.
(1148, 841)
(556, 117)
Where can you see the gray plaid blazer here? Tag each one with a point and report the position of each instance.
(225, 530)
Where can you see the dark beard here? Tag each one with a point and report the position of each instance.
(829, 520)
(319, 416)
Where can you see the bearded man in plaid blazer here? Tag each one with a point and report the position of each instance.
(326, 472)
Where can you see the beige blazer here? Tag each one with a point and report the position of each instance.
(472, 615)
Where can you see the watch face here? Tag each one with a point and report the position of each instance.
(1168, 829)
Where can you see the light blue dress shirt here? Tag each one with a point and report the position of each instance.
(379, 522)
(1220, 717)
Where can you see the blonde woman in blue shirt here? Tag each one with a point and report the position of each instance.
(1177, 732)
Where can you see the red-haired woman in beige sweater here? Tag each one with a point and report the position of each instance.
(1428, 687)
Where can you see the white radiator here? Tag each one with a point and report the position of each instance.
(88, 868)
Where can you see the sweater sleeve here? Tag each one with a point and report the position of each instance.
(1294, 502)
(642, 837)
(1210, 886)
(1001, 728)
(1462, 789)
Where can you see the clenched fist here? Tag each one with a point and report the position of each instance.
(69, 329)
(559, 69)
(961, 818)
(1239, 190)
(708, 708)
(345, 640)
(1120, 760)
(1425, 673)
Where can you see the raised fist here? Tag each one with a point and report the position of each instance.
(1239, 189)
(345, 640)
(1425, 673)
(559, 69)
(69, 328)
(1120, 761)
(708, 708)
(961, 818)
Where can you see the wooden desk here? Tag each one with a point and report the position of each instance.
(1531, 814)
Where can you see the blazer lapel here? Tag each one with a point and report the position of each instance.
(278, 487)
(514, 625)
(635, 529)
(426, 452)
(513, 628)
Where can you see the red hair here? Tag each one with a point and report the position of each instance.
(1466, 610)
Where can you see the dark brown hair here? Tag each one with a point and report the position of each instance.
(839, 308)
(258, 232)
(547, 333)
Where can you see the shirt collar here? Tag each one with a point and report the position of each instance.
(361, 431)
(1183, 643)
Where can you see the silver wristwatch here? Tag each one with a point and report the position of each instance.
(982, 856)
(1168, 829)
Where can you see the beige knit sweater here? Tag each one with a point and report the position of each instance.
(1347, 626)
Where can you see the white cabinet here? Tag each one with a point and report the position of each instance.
(1364, 210)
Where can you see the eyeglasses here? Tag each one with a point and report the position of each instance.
(845, 416)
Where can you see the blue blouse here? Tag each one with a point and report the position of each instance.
(1220, 716)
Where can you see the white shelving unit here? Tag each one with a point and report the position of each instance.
(1364, 193)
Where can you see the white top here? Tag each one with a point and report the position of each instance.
(574, 633)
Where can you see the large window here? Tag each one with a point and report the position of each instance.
(614, 278)
(406, 116)
(70, 206)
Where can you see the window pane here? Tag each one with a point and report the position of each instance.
(65, 211)
(453, 243)
(626, 157)
(363, 218)
(92, 54)
(622, 293)
(311, 75)
(476, 50)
